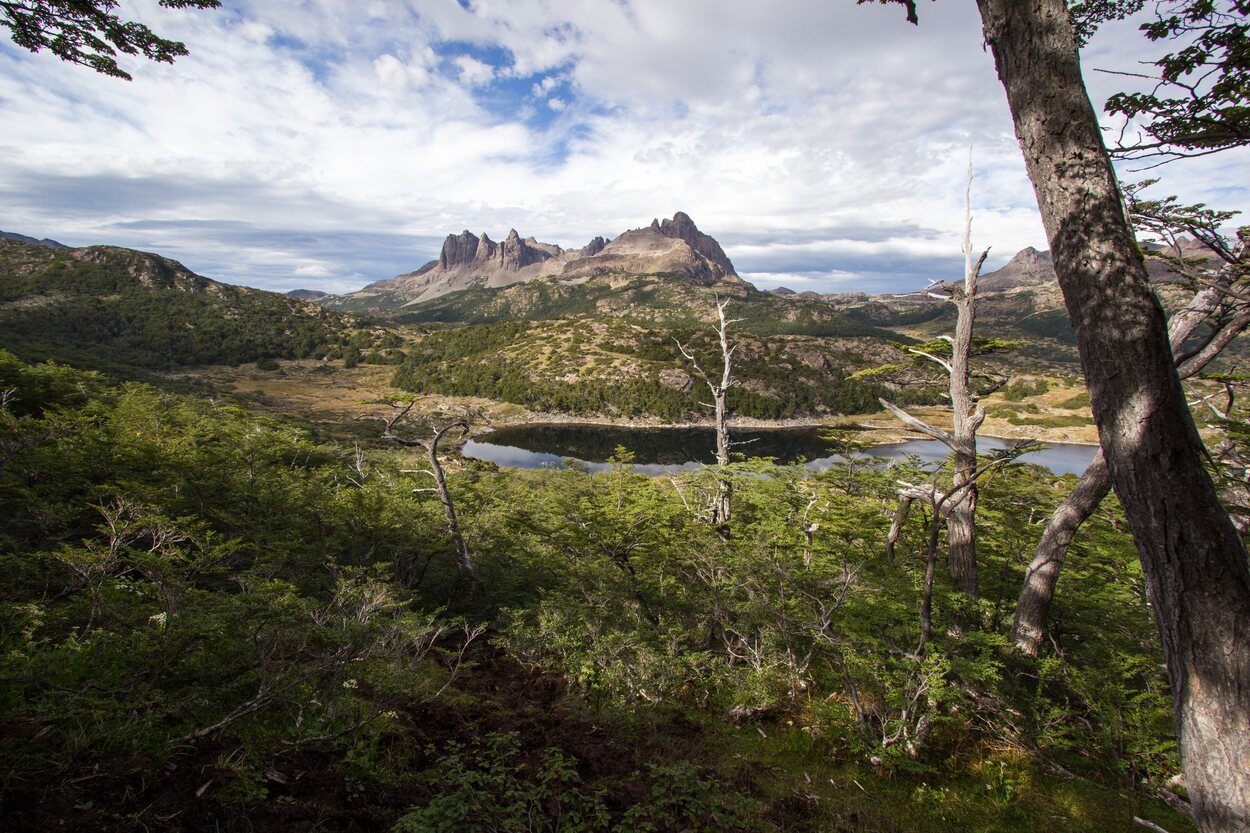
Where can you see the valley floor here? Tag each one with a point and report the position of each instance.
(336, 399)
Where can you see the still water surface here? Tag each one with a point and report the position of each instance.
(666, 450)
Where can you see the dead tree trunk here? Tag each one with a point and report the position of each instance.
(464, 558)
(1192, 556)
(961, 522)
(1038, 590)
(967, 417)
(722, 503)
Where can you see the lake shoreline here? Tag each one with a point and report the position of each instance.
(861, 428)
(659, 450)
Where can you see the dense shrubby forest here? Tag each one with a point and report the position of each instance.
(608, 367)
(109, 308)
(650, 300)
(212, 622)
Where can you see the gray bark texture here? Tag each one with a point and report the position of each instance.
(1033, 605)
(464, 559)
(961, 521)
(960, 514)
(1192, 557)
(722, 503)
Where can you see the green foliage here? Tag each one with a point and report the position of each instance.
(192, 592)
(1200, 103)
(86, 32)
(110, 309)
(1078, 401)
(547, 367)
(492, 787)
(660, 301)
(1019, 390)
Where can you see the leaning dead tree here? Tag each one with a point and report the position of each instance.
(1222, 303)
(464, 558)
(721, 505)
(959, 510)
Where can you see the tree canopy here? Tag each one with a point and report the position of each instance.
(88, 33)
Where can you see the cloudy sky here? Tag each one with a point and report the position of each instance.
(328, 143)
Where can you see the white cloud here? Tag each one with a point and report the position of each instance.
(473, 72)
(766, 122)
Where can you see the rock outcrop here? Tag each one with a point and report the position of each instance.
(671, 247)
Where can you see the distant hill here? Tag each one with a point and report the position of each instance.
(673, 247)
(1029, 267)
(307, 294)
(104, 307)
(21, 238)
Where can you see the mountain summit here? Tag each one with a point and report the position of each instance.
(672, 247)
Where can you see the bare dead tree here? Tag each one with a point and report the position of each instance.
(722, 505)
(967, 416)
(464, 558)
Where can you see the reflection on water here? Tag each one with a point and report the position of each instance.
(666, 450)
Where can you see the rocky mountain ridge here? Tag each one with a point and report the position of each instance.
(670, 247)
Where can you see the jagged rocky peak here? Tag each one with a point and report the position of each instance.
(515, 254)
(681, 227)
(458, 249)
(672, 247)
(471, 251)
(1028, 267)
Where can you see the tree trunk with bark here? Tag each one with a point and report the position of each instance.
(1192, 557)
(1033, 605)
(961, 521)
(464, 558)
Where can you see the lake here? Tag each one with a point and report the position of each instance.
(666, 450)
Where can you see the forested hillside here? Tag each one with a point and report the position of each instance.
(612, 367)
(105, 307)
(210, 620)
(661, 300)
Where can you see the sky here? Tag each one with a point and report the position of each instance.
(325, 144)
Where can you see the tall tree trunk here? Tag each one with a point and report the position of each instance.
(1033, 605)
(961, 521)
(724, 487)
(722, 502)
(1192, 557)
(960, 514)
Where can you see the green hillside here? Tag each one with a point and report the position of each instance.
(111, 308)
(618, 368)
(664, 300)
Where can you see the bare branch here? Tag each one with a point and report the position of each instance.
(919, 425)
